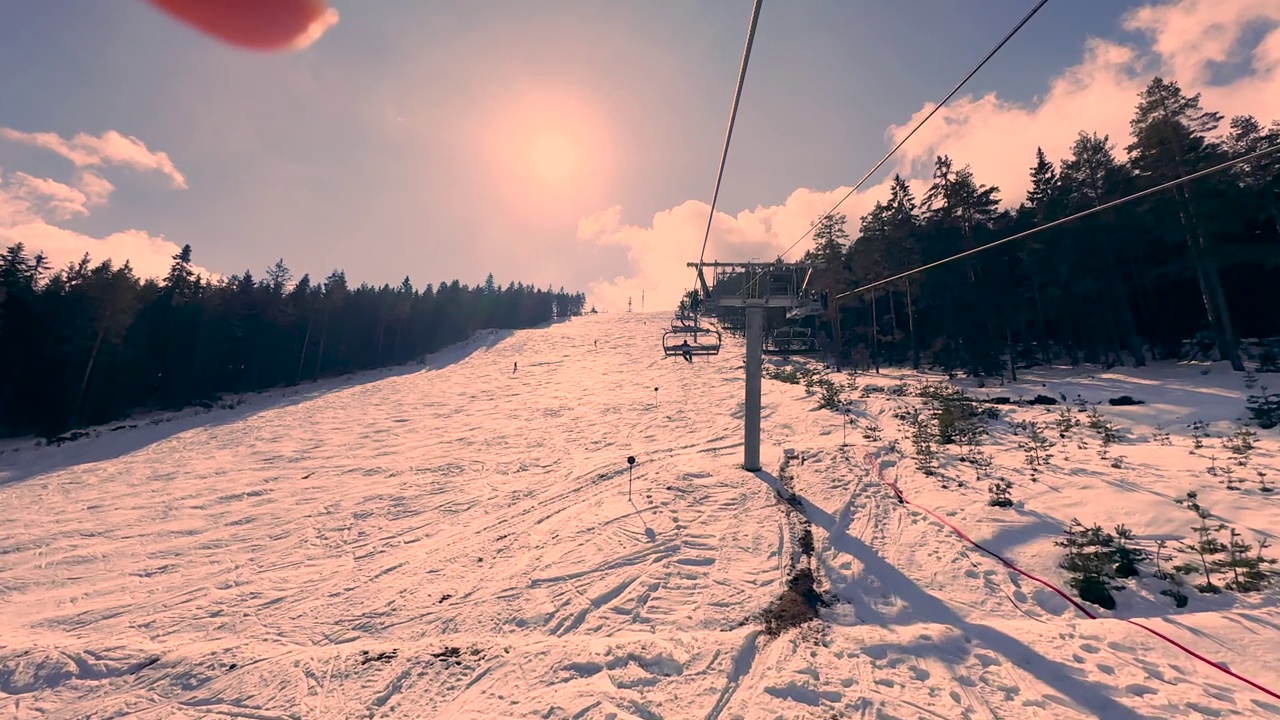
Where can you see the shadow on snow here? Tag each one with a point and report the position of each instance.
(22, 460)
(929, 608)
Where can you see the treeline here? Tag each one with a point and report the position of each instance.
(1197, 266)
(88, 343)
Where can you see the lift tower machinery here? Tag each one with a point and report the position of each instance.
(754, 286)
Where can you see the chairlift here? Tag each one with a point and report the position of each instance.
(683, 319)
(680, 328)
(814, 304)
(791, 341)
(703, 341)
(687, 321)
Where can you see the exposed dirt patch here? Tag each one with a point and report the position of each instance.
(799, 601)
(797, 605)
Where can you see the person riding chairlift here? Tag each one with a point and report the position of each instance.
(686, 350)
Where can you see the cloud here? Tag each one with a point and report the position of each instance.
(33, 195)
(149, 255)
(1190, 41)
(659, 253)
(95, 187)
(31, 207)
(110, 148)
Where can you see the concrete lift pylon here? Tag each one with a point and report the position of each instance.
(754, 286)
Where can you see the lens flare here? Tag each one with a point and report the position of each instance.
(553, 157)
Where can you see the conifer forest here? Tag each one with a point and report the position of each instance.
(90, 343)
(1187, 272)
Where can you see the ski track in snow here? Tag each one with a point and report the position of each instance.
(456, 541)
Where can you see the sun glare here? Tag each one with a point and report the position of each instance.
(553, 157)
(548, 151)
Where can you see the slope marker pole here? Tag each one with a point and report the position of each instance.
(631, 461)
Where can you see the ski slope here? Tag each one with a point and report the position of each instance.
(456, 540)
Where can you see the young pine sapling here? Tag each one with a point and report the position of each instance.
(1241, 443)
(1207, 546)
(1000, 496)
(1161, 436)
(1199, 431)
(1174, 578)
(1126, 555)
(1228, 475)
(1065, 422)
(1090, 560)
(1245, 569)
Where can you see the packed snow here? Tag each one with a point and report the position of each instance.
(463, 539)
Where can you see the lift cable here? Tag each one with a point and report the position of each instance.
(925, 119)
(733, 114)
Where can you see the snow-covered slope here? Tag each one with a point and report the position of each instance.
(457, 540)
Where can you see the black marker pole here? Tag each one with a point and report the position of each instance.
(631, 461)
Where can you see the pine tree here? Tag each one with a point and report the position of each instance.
(1207, 547)
(1262, 176)
(1091, 177)
(1247, 570)
(830, 238)
(903, 254)
(1264, 408)
(180, 283)
(1126, 555)
(278, 277)
(1090, 560)
(113, 296)
(999, 489)
(1170, 140)
(956, 198)
(1036, 446)
(16, 271)
(1044, 191)
(832, 272)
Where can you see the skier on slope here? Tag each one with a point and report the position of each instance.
(515, 366)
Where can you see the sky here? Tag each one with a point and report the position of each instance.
(558, 143)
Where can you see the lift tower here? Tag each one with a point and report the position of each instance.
(754, 286)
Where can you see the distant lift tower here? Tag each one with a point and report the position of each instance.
(755, 286)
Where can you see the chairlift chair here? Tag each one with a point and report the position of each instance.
(685, 322)
(812, 307)
(814, 304)
(682, 329)
(704, 341)
(791, 341)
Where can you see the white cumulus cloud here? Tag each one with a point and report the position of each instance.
(31, 207)
(109, 148)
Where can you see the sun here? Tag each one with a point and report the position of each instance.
(546, 151)
(553, 157)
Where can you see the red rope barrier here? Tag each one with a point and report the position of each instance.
(875, 468)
